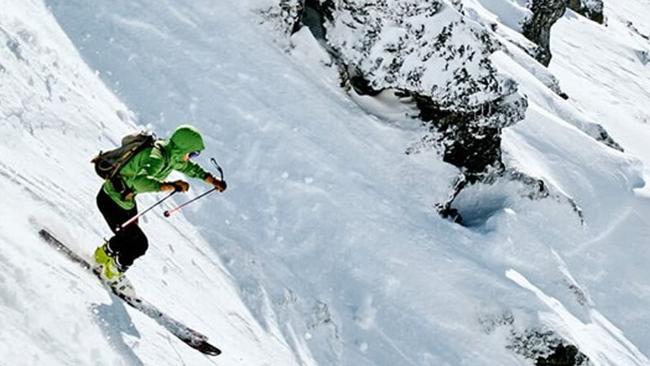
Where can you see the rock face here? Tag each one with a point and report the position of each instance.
(547, 349)
(428, 51)
(537, 28)
(538, 344)
(467, 143)
(435, 54)
(423, 47)
(290, 13)
(592, 9)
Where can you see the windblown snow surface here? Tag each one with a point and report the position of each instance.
(326, 248)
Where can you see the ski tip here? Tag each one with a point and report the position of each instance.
(204, 347)
(209, 349)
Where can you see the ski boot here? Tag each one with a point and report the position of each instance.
(111, 272)
(101, 257)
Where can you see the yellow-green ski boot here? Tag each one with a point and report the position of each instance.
(111, 272)
(107, 265)
(101, 256)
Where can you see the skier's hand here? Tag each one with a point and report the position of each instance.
(219, 184)
(178, 186)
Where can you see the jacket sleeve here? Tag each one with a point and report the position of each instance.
(145, 179)
(191, 169)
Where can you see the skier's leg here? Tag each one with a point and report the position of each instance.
(109, 256)
(133, 243)
(115, 216)
(128, 243)
(112, 212)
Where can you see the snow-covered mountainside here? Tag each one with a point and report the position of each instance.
(408, 184)
(55, 115)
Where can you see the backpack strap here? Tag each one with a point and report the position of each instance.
(116, 179)
(120, 186)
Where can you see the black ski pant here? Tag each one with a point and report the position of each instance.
(130, 242)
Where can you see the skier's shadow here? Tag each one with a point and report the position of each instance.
(114, 321)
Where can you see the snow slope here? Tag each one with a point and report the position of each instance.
(326, 248)
(55, 114)
(600, 68)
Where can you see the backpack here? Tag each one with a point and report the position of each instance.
(108, 163)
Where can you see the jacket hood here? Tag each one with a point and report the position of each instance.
(185, 139)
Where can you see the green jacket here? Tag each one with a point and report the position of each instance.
(146, 171)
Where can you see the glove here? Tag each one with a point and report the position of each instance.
(178, 186)
(219, 184)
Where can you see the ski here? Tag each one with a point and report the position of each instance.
(189, 336)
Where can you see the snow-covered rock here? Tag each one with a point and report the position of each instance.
(592, 9)
(537, 28)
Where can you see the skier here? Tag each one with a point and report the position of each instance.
(145, 172)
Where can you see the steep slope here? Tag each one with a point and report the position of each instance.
(603, 70)
(328, 229)
(55, 114)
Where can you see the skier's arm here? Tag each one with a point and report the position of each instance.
(192, 170)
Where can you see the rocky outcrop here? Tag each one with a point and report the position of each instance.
(537, 28)
(546, 348)
(472, 146)
(591, 9)
(545, 13)
(427, 51)
(538, 344)
(431, 54)
(294, 14)
(289, 13)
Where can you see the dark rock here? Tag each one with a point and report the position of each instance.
(449, 213)
(546, 348)
(563, 356)
(360, 84)
(287, 14)
(600, 134)
(315, 14)
(537, 28)
(592, 9)
(634, 29)
(467, 144)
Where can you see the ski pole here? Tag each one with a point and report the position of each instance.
(134, 218)
(170, 212)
